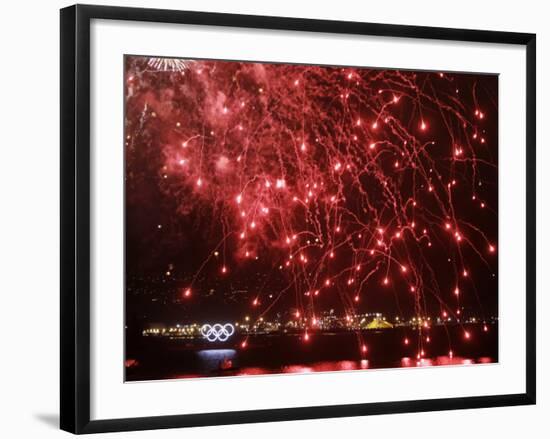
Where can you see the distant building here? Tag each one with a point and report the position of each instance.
(378, 323)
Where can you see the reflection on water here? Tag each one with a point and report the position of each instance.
(216, 359)
(215, 362)
(264, 355)
(441, 361)
(323, 366)
(330, 366)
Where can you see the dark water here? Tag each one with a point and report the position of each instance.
(161, 358)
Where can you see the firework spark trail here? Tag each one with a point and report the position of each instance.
(331, 174)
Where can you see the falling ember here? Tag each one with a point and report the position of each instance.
(313, 198)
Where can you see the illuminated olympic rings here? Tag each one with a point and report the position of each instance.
(217, 332)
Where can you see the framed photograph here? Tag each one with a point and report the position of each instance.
(267, 219)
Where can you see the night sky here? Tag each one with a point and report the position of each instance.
(289, 190)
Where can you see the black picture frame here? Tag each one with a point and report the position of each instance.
(75, 217)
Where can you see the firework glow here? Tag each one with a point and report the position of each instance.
(284, 191)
